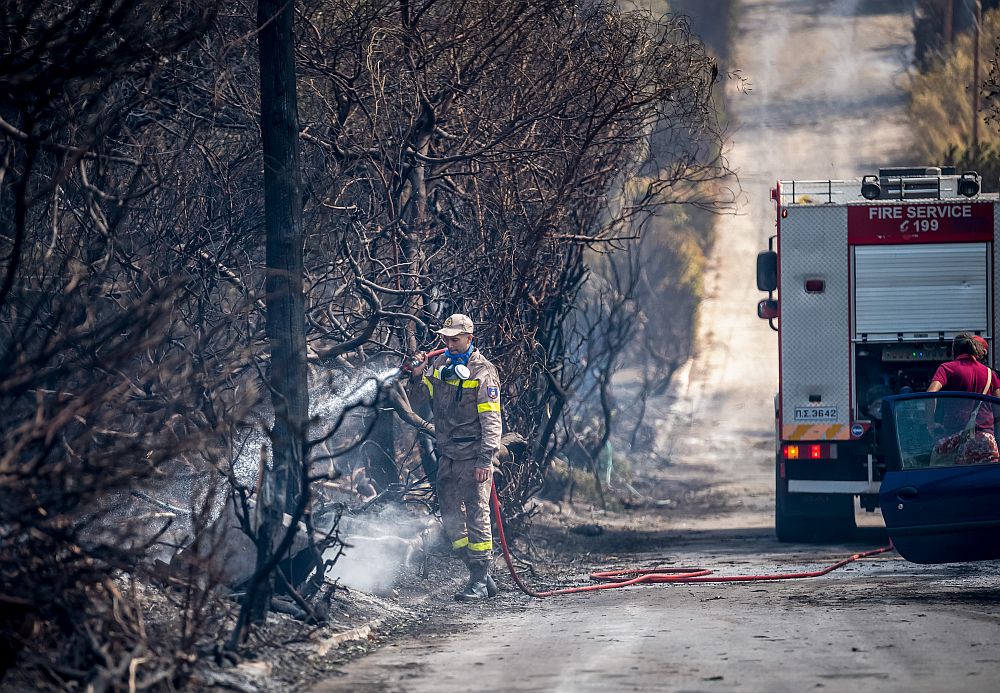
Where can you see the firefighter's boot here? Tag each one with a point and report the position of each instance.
(491, 586)
(477, 589)
(464, 557)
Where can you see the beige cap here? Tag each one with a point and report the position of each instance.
(456, 324)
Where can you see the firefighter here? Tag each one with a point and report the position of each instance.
(464, 389)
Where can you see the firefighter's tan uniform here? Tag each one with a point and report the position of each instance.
(467, 427)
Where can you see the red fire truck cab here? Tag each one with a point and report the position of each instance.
(868, 281)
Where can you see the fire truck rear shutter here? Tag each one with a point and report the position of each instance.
(916, 290)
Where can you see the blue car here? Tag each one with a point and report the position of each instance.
(940, 494)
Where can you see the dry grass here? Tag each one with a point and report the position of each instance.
(940, 110)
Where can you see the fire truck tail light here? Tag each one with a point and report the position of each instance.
(811, 451)
(815, 286)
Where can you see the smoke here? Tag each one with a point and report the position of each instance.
(331, 393)
(380, 546)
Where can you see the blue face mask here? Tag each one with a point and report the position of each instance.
(457, 362)
(461, 358)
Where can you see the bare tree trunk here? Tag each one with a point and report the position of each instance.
(380, 458)
(949, 17)
(976, 86)
(285, 301)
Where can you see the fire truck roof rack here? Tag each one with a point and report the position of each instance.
(916, 171)
(891, 184)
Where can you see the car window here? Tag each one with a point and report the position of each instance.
(946, 432)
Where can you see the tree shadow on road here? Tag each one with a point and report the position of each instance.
(560, 542)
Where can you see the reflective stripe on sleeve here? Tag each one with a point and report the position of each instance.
(429, 384)
(481, 545)
(488, 406)
(460, 543)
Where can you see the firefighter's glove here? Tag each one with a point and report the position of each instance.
(418, 364)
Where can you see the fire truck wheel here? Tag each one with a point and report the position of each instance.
(812, 517)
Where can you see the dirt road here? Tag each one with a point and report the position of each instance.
(825, 102)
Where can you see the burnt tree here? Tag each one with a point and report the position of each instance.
(279, 124)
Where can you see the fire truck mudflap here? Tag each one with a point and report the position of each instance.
(867, 281)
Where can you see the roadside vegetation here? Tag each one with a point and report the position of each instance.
(942, 87)
(647, 296)
(209, 264)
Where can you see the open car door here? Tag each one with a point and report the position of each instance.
(940, 495)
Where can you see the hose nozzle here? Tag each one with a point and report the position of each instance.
(412, 362)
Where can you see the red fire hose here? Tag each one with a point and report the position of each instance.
(613, 579)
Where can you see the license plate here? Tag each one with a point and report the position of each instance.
(815, 413)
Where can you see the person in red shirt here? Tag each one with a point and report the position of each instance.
(973, 443)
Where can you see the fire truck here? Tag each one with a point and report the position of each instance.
(867, 282)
